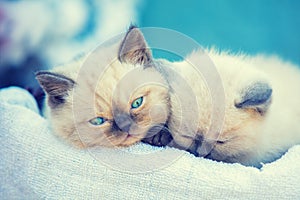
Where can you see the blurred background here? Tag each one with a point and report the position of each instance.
(41, 34)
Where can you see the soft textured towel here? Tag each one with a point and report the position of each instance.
(37, 165)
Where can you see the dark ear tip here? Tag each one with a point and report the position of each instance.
(42, 72)
(39, 76)
(132, 26)
(38, 73)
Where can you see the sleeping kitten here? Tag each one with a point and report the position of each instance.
(113, 97)
(261, 109)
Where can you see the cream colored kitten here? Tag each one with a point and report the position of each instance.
(110, 98)
(261, 109)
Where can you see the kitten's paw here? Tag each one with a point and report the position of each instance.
(158, 136)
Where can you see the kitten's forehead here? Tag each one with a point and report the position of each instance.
(137, 78)
(128, 82)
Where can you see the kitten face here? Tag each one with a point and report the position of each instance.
(113, 99)
(128, 108)
(244, 119)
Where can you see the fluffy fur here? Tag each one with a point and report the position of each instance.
(261, 108)
(104, 84)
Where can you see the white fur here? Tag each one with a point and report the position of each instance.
(251, 137)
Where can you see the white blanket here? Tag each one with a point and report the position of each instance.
(36, 165)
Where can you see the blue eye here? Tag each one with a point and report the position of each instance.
(137, 103)
(97, 121)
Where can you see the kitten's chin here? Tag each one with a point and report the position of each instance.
(135, 135)
(130, 140)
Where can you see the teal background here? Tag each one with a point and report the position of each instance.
(256, 26)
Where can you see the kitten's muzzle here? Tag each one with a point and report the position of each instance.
(202, 147)
(206, 147)
(122, 122)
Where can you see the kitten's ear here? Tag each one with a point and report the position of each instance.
(55, 85)
(134, 48)
(257, 95)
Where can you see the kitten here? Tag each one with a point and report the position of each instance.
(113, 97)
(261, 109)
